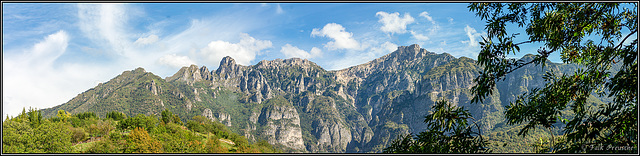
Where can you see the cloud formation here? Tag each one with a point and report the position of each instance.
(354, 58)
(384, 48)
(393, 23)
(34, 79)
(291, 51)
(472, 34)
(426, 15)
(47, 51)
(105, 25)
(418, 36)
(146, 40)
(341, 38)
(174, 60)
(279, 9)
(242, 52)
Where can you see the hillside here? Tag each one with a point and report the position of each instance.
(298, 106)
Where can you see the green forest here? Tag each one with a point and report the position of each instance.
(86, 132)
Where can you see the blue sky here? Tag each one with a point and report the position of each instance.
(53, 52)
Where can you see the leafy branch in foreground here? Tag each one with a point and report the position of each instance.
(448, 131)
(568, 28)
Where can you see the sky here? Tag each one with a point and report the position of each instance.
(51, 52)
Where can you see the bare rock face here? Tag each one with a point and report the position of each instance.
(205, 73)
(220, 117)
(296, 103)
(332, 136)
(350, 110)
(228, 68)
(209, 114)
(254, 83)
(189, 75)
(281, 124)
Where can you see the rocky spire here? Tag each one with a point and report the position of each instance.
(227, 67)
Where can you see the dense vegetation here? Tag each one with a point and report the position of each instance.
(564, 114)
(449, 131)
(87, 133)
(587, 34)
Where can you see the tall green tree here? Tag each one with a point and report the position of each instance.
(595, 36)
(169, 117)
(117, 116)
(35, 117)
(448, 131)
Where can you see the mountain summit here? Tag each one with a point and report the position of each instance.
(298, 106)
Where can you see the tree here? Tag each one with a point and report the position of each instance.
(213, 145)
(35, 117)
(117, 116)
(112, 143)
(567, 28)
(140, 120)
(169, 117)
(77, 134)
(447, 131)
(52, 137)
(140, 142)
(16, 137)
(63, 115)
(85, 115)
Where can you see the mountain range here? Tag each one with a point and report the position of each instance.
(298, 106)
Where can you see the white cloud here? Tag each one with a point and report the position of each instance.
(450, 20)
(356, 58)
(279, 9)
(291, 51)
(146, 40)
(392, 23)
(419, 36)
(106, 25)
(242, 52)
(426, 15)
(385, 48)
(341, 38)
(34, 78)
(174, 60)
(44, 53)
(472, 34)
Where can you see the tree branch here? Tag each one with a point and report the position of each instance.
(524, 42)
(625, 38)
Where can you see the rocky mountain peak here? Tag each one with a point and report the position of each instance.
(228, 68)
(139, 70)
(411, 52)
(404, 56)
(291, 62)
(297, 104)
(296, 61)
(189, 74)
(227, 61)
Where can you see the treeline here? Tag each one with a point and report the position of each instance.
(86, 132)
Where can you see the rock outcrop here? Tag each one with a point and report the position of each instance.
(297, 105)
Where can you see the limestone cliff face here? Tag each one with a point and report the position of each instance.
(220, 117)
(357, 109)
(281, 124)
(300, 107)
